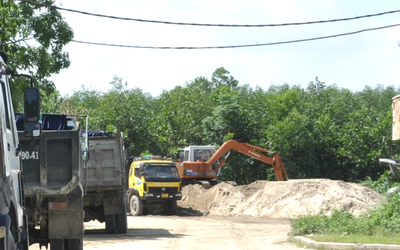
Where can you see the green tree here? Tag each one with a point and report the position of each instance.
(33, 35)
(228, 120)
(182, 111)
(51, 103)
(222, 77)
(320, 131)
(120, 109)
(85, 101)
(132, 112)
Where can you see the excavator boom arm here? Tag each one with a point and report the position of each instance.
(250, 150)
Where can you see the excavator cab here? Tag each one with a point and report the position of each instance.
(196, 154)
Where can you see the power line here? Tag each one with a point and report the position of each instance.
(215, 25)
(241, 46)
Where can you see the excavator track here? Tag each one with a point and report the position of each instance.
(205, 184)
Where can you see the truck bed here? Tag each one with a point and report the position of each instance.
(106, 166)
(51, 163)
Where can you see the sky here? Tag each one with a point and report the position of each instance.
(355, 61)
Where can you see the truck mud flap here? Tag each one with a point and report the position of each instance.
(65, 225)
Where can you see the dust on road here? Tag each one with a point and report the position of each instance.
(192, 232)
(254, 216)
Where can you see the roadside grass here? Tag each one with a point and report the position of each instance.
(393, 240)
(380, 225)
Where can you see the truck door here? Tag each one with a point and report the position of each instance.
(9, 140)
(2, 153)
(130, 177)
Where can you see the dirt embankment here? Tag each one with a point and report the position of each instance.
(280, 199)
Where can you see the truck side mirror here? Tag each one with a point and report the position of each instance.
(31, 105)
(32, 126)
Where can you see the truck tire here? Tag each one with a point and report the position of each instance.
(122, 221)
(171, 207)
(111, 226)
(136, 206)
(57, 244)
(24, 243)
(75, 244)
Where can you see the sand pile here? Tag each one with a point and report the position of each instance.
(280, 199)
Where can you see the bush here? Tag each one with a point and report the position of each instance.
(383, 219)
(383, 184)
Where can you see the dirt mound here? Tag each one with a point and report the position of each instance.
(280, 199)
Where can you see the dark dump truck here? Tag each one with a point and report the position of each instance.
(53, 182)
(105, 182)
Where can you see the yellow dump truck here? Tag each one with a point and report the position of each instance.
(154, 182)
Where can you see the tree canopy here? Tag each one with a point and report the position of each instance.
(33, 35)
(319, 131)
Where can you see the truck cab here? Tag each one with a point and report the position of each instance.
(13, 223)
(154, 182)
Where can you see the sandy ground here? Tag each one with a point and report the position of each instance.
(191, 232)
(254, 216)
(286, 199)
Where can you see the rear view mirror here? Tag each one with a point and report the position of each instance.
(32, 126)
(31, 105)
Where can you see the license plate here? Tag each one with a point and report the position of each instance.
(164, 195)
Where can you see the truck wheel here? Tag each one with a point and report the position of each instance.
(171, 207)
(75, 244)
(110, 224)
(136, 206)
(24, 243)
(122, 223)
(56, 244)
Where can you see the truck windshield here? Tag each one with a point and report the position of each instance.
(161, 172)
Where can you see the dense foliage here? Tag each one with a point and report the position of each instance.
(320, 131)
(386, 182)
(33, 36)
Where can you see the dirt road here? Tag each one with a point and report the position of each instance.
(236, 216)
(192, 232)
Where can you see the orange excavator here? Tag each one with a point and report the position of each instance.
(201, 164)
